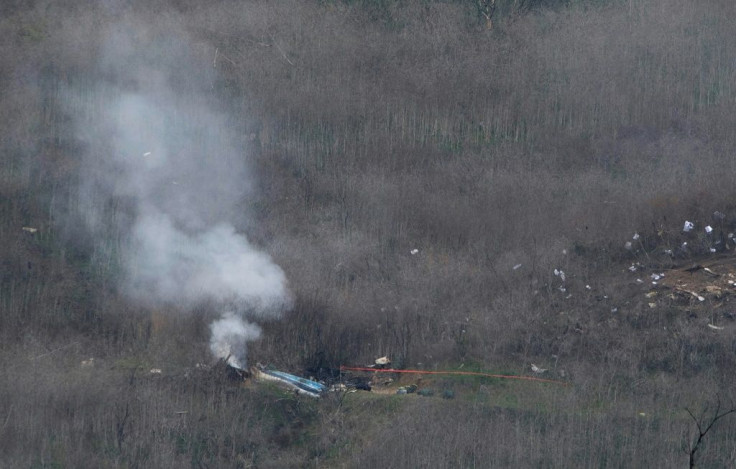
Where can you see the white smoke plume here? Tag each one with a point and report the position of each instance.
(163, 182)
(230, 336)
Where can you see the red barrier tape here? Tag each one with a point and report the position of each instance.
(466, 373)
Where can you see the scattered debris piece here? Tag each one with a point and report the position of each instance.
(708, 229)
(628, 245)
(516, 266)
(89, 363)
(561, 274)
(30, 229)
(148, 153)
(536, 369)
(339, 387)
(700, 298)
(688, 226)
(587, 287)
(714, 327)
(652, 305)
(414, 252)
(407, 389)
(382, 362)
(155, 371)
(636, 236)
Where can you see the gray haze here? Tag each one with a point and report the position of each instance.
(162, 182)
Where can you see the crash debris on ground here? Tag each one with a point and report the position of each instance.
(707, 286)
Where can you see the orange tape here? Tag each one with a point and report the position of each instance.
(466, 373)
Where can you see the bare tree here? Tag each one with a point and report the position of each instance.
(487, 8)
(704, 424)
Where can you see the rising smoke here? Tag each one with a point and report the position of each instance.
(162, 182)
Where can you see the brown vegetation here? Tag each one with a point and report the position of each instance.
(374, 129)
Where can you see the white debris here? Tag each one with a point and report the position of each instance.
(628, 245)
(730, 235)
(29, 229)
(708, 229)
(517, 266)
(655, 276)
(668, 252)
(414, 252)
(639, 280)
(382, 361)
(614, 310)
(89, 363)
(561, 274)
(155, 371)
(717, 328)
(587, 287)
(148, 153)
(536, 369)
(712, 249)
(632, 268)
(636, 236)
(684, 246)
(564, 252)
(563, 289)
(688, 226)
